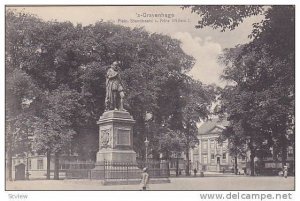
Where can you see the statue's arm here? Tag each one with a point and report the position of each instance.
(111, 74)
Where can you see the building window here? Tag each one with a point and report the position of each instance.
(224, 155)
(212, 144)
(61, 166)
(212, 156)
(40, 164)
(205, 145)
(29, 164)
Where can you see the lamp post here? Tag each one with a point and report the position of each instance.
(146, 145)
(25, 106)
(27, 170)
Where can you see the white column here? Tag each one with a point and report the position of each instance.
(216, 148)
(214, 151)
(200, 151)
(227, 157)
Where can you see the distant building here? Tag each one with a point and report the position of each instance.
(209, 155)
(36, 165)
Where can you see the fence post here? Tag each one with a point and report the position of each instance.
(168, 168)
(127, 172)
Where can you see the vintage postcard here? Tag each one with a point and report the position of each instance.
(153, 98)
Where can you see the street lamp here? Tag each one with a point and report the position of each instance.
(25, 105)
(146, 145)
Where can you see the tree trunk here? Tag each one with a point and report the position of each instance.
(9, 153)
(283, 151)
(48, 164)
(235, 165)
(252, 156)
(177, 164)
(168, 167)
(9, 161)
(252, 165)
(56, 166)
(187, 167)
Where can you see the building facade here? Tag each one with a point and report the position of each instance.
(209, 155)
(36, 166)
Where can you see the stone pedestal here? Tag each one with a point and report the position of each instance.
(116, 137)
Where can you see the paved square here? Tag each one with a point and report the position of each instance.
(198, 183)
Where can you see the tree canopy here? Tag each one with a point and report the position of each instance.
(225, 17)
(260, 102)
(58, 69)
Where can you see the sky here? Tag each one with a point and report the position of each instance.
(203, 44)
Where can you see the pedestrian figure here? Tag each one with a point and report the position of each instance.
(195, 172)
(145, 179)
(285, 171)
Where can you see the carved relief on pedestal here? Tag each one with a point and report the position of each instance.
(106, 138)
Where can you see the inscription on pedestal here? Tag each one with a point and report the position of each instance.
(123, 136)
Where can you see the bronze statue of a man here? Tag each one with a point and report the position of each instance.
(114, 89)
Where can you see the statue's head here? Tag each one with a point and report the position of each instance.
(114, 65)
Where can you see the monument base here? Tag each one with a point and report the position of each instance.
(116, 160)
(111, 155)
(108, 171)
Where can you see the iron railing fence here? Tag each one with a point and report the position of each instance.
(117, 170)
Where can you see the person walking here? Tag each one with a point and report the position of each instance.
(285, 171)
(195, 172)
(145, 179)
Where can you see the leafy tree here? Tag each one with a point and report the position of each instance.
(30, 49)
(193, 105)
(226, 17)
(263, 79)
(67, 65)
(54, 130)
(245, 127)
(20, 91)
(261, 74)
(172, 144)
(197, 101)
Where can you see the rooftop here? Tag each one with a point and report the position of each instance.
(211, 124)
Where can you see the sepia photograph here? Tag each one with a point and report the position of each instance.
(150, 98)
